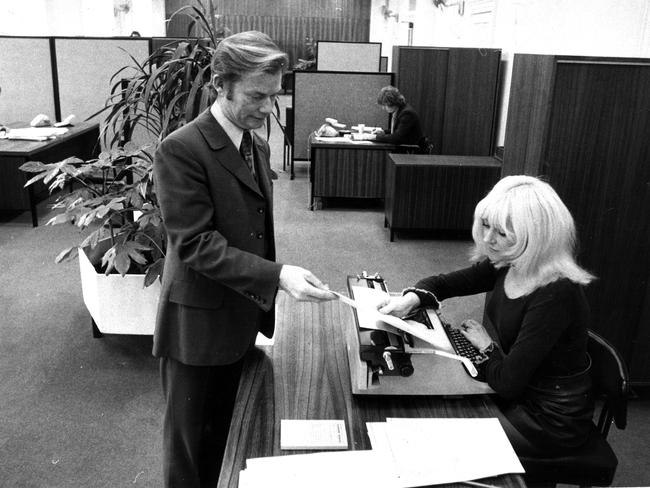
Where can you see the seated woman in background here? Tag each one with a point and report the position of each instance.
(524, 254)
(405, 123)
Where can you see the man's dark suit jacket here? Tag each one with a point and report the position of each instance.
(407, 128)
(220, 278)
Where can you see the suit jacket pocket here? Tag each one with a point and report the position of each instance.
(198, 294)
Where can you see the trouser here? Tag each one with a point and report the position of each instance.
(199, 402)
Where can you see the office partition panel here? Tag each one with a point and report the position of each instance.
(583, 123)
(25, 79)
(85, 67)
(350, 98)
(348, 56)
(455, 92)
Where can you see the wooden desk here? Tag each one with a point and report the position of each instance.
(79, 141)
(305, 375)
(436, 192)
(348, 169)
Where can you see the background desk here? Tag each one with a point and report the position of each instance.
(79, 141)
(436, 192)
(348, 169)
(305, 375)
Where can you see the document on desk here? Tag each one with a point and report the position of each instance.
(313, 434)
(319, 470)
(338, 140)
(35, 133)
(444, 450)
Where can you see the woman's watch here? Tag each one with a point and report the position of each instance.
(489, 349)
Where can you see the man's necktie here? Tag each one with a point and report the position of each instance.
(246, 151)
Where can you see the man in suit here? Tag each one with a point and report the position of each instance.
(405, 123)
(220, 277)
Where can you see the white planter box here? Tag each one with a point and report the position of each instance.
(122, 305)
(118, 305)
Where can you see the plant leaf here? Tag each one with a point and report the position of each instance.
(154, 272)
(122, 262)
(66, 254)
(33, 166)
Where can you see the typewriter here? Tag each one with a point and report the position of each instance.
(385, 360)
(383, 351)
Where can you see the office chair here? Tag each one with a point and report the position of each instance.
(424, 146)
(593, 464)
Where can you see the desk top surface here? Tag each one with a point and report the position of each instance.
(10, 147)
(444, 160)
(305, 375)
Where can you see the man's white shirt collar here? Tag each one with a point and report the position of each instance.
(234, 133)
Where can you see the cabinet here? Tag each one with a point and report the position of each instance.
(583, 124)
(454, 91)
(434, 192)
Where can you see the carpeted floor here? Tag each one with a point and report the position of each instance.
(82, 412)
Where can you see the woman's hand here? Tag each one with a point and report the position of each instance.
(476, 334)
(399, 306)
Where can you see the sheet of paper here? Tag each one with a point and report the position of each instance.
(313, 434)
(368, 315)
(366, 301)
(446, 450)
(318, 470)
(337, 140)
(36, 133)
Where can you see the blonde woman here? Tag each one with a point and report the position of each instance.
(538, 363)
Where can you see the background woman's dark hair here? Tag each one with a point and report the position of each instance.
(389, 95)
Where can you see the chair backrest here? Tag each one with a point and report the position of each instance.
(610, 380)
(425, 146)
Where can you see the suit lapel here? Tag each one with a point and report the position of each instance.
(226, 153)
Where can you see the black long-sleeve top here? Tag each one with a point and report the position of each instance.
(407, 128)
(542, 334)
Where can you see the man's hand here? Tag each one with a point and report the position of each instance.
(399, 306)
(303, 285)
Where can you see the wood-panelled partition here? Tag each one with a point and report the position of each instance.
(288, 22)
(583, 123)
(455, 92)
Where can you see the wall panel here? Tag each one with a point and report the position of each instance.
(350, 98)
(288, 22)
(348, 56)
(25, 79)
(84, 81)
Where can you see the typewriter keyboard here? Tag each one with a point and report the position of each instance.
(461, 345)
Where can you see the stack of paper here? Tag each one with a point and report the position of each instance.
(405, 453)
(35, 133)
(444, 450)
(318, 470)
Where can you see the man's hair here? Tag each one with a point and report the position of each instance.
(532, 215)
(389, 95)
(247, 52)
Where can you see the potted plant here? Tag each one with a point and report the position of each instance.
(112, 197)
(113, 202)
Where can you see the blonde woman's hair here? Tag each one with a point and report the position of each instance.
(532, 215)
